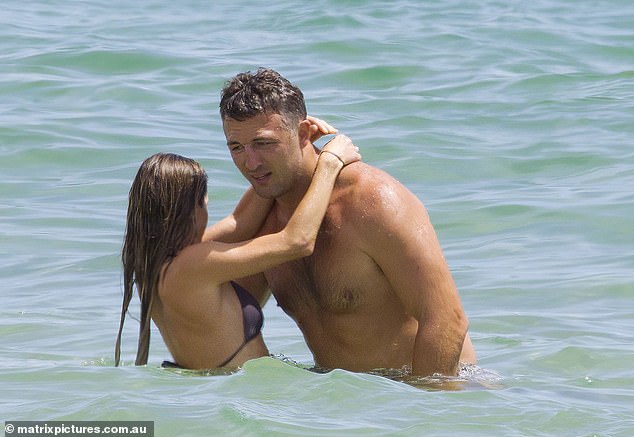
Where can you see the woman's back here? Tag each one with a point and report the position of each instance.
(204, 325)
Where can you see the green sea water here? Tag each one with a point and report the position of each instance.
(512, 121)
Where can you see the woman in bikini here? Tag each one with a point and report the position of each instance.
(185, 283)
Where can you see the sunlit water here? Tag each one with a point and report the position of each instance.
(512, 121)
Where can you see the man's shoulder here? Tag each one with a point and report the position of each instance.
(364, 178)
(368, 188)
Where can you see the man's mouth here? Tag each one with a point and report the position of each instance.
(262, 178)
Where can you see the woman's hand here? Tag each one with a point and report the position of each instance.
(342, 147)
(319, 128)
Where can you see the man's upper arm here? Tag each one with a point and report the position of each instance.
(244, 222)
(400, 238)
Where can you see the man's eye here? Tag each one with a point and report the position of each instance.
(236, 148)
(264, 143)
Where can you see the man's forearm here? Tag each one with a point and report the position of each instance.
(437, 349)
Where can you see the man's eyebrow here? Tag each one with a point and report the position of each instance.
(259, 139)
(264, 138)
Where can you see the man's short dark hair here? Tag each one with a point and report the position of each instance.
(263, 92)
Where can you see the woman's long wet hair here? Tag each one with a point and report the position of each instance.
(161, 217)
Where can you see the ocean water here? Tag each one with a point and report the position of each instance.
(512, 121)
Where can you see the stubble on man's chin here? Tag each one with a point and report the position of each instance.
(271, 194)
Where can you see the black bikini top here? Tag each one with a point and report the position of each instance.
(252, 321)
(252, 318)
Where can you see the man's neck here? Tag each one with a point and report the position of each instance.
(287, 203)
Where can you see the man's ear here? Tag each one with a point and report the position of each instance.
(303, 132)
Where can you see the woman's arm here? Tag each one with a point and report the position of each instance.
(318, 128)
(216, 262)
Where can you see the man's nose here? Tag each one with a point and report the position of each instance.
(252, 158)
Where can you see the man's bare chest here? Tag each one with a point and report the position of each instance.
(332, 281)
(335, 279)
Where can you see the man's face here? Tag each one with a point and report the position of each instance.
(266, 151)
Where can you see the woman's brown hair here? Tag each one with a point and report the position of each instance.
(160, 223)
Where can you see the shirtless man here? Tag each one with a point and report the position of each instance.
(377, 292)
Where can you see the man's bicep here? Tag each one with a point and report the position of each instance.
(405, 246)
(403, 242)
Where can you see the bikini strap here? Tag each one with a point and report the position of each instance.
(233, 355)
